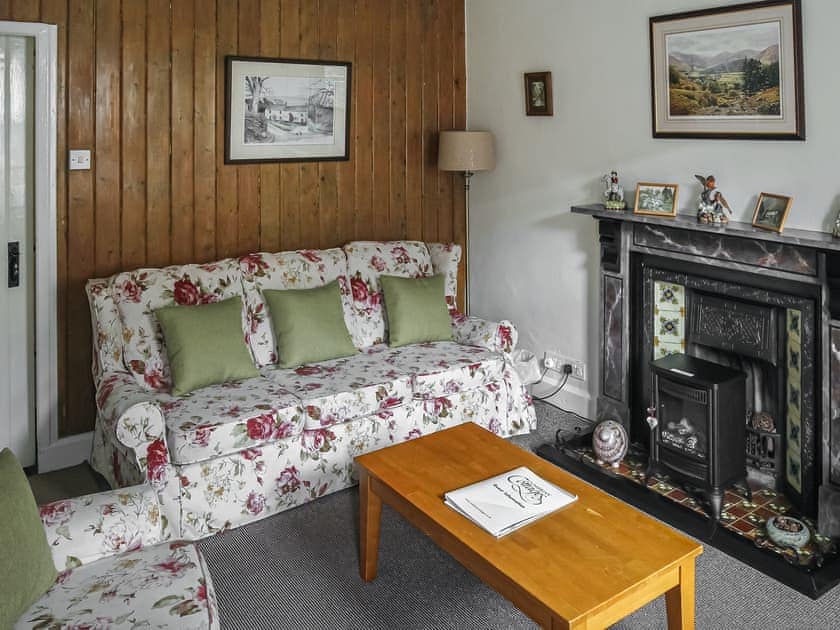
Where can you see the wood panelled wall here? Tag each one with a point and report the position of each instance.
(141, 84)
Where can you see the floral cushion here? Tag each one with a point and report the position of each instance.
(107, 327)
(84, 529)
(303, 269)
(139, 293)
(340, 390)
(442, 368)
(445, 259)
(164, 586)
(366, 261)
(229, 417)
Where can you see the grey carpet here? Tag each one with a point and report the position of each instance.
(74, 481)
(299, 569)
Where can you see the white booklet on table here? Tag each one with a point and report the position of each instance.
(506, 502)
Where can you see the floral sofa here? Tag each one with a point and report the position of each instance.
(229, 454)
(119, 569)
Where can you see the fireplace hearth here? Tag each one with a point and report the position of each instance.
(765, 306)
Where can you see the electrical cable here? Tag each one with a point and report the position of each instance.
(557, 389)
(544, 398)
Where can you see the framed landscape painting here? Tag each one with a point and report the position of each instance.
(659, 200)
(729, 72)
(286, 110)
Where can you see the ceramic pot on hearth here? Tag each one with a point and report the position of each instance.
(609, 441)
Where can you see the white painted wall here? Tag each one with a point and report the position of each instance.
(531, 260)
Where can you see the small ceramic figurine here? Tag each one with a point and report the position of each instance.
(613, 192)
(712, 204)
(609, 441)
(836, 231)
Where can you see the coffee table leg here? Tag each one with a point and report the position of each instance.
(680, 599)
(370, 511)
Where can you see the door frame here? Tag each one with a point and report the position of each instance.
(53, 451)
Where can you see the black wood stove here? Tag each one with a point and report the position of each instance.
(699, 433)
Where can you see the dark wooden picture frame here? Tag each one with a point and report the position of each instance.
(282, 115)
(705, 95)
(539, 100)
(772, 219)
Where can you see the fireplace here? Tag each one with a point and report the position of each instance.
(764, 306)
(697, 425)
(779, 296)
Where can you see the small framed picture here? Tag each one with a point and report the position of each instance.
(656, 199)
(538, 101)
(771, 212)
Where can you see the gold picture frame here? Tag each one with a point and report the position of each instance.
(657, 200)
(771, 211)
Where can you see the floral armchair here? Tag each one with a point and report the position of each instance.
(118, 567)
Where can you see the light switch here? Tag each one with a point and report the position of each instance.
(79, 160)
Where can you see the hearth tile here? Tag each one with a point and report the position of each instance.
(743, 526)
(678, 495)
(737, 511)
(766, 513)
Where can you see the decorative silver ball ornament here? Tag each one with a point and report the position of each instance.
(609, 441)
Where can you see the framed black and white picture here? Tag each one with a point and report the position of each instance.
(286, 110)
(729, 72)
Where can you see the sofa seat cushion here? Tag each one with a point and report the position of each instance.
(442, 368)
(165, 586)
(138, 294)
(229, 417)
(303, 269)
(340, 390)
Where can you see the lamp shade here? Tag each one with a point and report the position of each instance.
(466, 151)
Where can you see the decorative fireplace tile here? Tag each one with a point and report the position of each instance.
(668, 319)
(664, 348)
(794, 398)
(669, 296)
(794, 318)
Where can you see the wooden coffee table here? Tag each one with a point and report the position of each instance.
(585, 566)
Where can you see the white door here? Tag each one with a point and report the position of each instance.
(17, 279)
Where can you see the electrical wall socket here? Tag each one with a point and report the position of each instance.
(555, 361)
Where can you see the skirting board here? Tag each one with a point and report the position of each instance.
(65, 452)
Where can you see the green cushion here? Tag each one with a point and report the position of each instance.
(205, 344)
(26, 564)
(416, 309)
(309, 325)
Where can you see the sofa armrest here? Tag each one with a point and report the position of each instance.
(474, 331)
(87, 528)
(135, 416)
